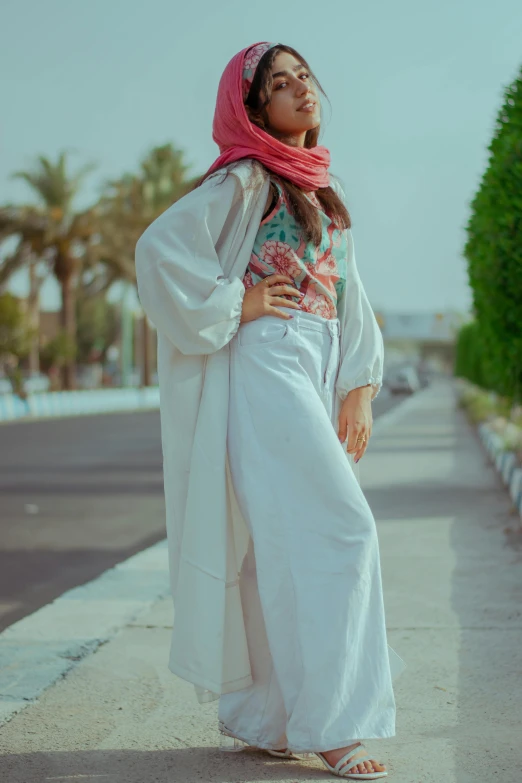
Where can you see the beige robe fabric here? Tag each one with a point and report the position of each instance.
(190, 263)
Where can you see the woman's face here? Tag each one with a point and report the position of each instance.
(292, 87)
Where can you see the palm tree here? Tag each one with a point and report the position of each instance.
(23, 256)
(54, 232)
(127, 207)
(163, 179)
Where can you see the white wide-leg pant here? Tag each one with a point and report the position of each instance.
(311, 583)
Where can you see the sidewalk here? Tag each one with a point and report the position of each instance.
(453, 595)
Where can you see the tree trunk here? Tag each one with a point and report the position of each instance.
(145, 339)
(68, 318)
(34, 318)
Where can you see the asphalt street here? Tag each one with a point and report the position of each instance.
(77, 496)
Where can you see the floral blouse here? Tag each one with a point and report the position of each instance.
(280, 248)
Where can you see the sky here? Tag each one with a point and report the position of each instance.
(414, 89)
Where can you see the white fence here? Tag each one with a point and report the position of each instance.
(77, 403)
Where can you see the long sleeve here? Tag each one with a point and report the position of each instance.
(363, 347)
(181, 284)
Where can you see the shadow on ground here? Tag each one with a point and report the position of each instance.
(174, 766)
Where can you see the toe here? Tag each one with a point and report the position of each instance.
(369, 766)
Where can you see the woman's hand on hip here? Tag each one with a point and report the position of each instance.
(260, 298)
(355, 420)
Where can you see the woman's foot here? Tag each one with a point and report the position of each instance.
(333, 756)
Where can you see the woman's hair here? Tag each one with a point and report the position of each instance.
(304, 212)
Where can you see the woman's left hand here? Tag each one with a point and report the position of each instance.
(355, 420)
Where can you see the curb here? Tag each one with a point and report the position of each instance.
(77, 403)
(505, 462)
(41, 648)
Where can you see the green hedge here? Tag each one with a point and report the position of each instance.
(490, 351)
(470, 356)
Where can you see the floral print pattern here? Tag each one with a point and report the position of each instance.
(280, 248)
(252, 57)
(280, 257)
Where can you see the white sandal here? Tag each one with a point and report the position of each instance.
(346, 758)
(240, 744)
(283, 754)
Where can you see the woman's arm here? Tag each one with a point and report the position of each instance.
(181, 284)
(363, 347)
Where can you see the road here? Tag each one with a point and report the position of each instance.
(77, 496)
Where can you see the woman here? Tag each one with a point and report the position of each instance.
(269, 356)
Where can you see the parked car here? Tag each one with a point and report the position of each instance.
(404, 380)
(425, 376)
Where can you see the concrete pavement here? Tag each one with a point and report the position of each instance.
(452, 588)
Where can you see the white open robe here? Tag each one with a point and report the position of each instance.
(189, 264)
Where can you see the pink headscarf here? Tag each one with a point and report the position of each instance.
(238, 138)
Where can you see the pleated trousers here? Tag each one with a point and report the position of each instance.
(310, 583)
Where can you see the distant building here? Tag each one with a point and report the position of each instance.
(421, 338)
(426, 327)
